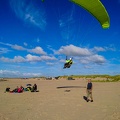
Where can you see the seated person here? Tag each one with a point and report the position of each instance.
(68, 63)
(34, 89)
(20, 89)
(7, 89)
(16, 89)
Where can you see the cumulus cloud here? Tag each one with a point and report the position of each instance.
(11, 73)
(28, 58)
(105, 48)
(8, 73)
(15, 59)
(31, 74)
(16, 47)
(28, 12)
(18, 59)
(98, 59)
(4, 59)
(37, 50)
(32, 58)
(71, 50)
(48, 58)
(110, 47)
(83, 55)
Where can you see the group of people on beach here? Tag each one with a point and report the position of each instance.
(22, 89)
(34, 89)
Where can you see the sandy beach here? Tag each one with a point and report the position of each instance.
(60, 99)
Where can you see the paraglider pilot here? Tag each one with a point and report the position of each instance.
(68, 63)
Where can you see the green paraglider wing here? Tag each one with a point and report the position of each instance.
(96, 8)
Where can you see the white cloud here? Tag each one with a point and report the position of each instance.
(32, 58)
(83, 55)
(15, 59)
(102, 49)
(71, 50)
(28, 58)
(62, 60)
(12, 73)
(48, 58)
(99, 49)
(31, 74)
(17, 47)
(3, 59)
(98, 59)
(3, 50)
(37, 50)
(30, 13)
(18, 59)
(110, 48)
(7, 71)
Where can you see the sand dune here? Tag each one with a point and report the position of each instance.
(60, 100)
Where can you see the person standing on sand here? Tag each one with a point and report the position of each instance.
(89, 90)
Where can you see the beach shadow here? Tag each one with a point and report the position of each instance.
(67, 91)
(85, 98)
(70, 87)
(2, 80)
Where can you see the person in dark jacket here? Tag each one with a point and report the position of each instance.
(34, 88)
(7, 89)
(89, 90)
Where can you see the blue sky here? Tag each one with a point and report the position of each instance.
(36, 37)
